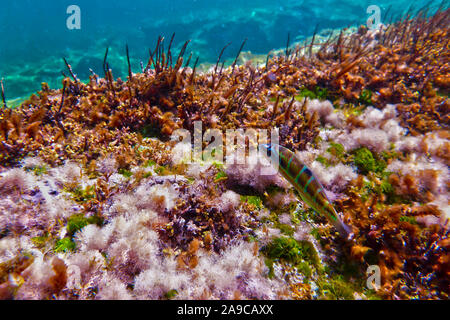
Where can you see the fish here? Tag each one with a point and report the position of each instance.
(306, 183)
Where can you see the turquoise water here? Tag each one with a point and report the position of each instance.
(34, 36)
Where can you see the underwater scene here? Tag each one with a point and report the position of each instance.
(224, 150)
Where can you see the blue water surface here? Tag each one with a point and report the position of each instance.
(34, 35)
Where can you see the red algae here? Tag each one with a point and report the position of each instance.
(117, 134)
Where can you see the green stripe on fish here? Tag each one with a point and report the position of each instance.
(307, 185)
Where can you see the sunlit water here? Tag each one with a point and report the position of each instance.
(34, 35)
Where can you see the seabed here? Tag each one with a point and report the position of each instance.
(97, 202)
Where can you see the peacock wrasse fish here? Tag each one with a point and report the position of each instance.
(307, 185)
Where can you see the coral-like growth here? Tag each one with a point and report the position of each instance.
(107, 206)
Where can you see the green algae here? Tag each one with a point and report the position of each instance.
(38, 170)
(126, 173)
(341, 280)
(220, 176)
(366, 97)
(75, 223)
(379, 184)
(218, 165)
(366, 162)
(391, 154)
(41, 241)
(386, 187)
(300, 254)
(78, 221)
(306, 215)
(409, 219)
(285, 229)
(65, 245)
(316, 234)
(81, 195)
(337, 150)
(294, 213)
(285, 248)
(147, 175)
(253, 201)
(335, 288)
(316, 93)
(162, 171)
(323, 161)
(149, 163)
